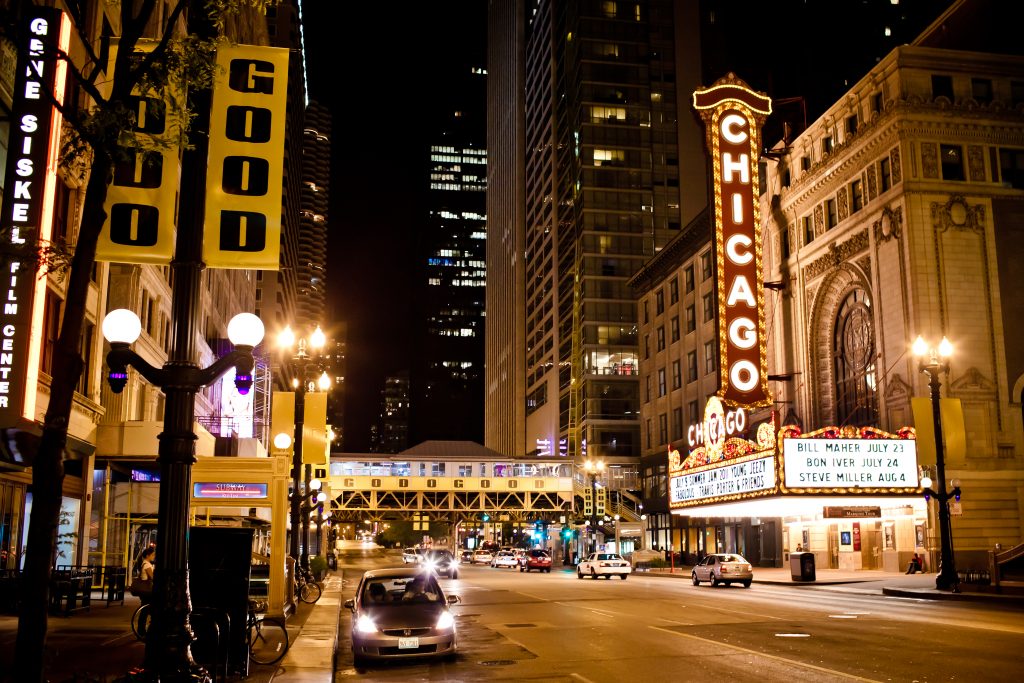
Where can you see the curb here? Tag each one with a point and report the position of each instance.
(991, 598)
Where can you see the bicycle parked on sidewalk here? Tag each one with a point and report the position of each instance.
(141, 619)
(266, 636)
(306, 586)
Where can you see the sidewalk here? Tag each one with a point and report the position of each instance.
(99, 646)
(894, 584)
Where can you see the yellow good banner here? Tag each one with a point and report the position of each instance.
(314, 429)
(141, 198)
(282, 421)
(246, 162)
(951, 413)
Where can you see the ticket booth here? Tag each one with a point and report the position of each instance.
(248, 492)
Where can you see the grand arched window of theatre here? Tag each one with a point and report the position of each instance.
(853, 358)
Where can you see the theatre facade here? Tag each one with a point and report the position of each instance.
(895, 214)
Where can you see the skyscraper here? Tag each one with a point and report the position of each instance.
(607, 121)
(316, 181)
(446, 382)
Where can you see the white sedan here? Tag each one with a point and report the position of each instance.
(505, 558)
(603, 564)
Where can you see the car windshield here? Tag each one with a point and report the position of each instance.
(397, 590)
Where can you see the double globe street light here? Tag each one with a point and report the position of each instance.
(303, 360)
(934, 361)
(169, 637)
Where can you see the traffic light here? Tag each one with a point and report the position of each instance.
(566, 533)
(486, 517)
(602, 501)
(588, 502)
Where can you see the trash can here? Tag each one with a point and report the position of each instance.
(801, 566)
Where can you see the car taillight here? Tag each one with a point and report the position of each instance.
(724, 569)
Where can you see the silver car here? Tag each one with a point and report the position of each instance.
(400, 613)
(724, 568)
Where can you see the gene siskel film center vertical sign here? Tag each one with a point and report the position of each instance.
(26, 219)
(733, 115)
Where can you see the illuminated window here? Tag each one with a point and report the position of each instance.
(853, 344)
(610, 8)
(952, 158)
(609, 157)
(600, 113)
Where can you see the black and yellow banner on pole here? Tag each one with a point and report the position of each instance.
(246, 162)
(141, 197)
(314, 429)
(282, 422)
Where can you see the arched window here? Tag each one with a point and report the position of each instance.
(853, 353)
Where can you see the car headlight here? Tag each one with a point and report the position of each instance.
(430, 565)
(445, 621)
(364, 624)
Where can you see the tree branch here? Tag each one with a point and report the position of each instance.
(161, 47)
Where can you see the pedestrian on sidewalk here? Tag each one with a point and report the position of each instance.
(142, 585)
(915, 564)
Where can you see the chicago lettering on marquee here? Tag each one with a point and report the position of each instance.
(27, 214)
(141, 197)
(733, 115)
(246, 162)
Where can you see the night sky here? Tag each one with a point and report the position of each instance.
(386, 70)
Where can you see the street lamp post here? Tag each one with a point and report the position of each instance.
(933, 362)
(301, 475)
(169, 638)
(593, 469)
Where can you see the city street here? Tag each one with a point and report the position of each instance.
(555, 627)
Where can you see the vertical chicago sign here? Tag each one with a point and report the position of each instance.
(733, 115)
(27, 213)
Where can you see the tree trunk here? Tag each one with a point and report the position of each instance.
(48, 466)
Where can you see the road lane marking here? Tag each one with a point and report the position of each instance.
(842, 616)
(580, 678)
(535, 597)
(792, 662)
(743, 612)
(792, 635)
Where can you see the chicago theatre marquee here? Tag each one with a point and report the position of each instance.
(851, 495)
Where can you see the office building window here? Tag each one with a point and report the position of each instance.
(662, 428)
(688, 275)
(942, 86)
(675, 328)
(662, 387)
(808, 225)
(647, 346)
(661, 338)
(885, 173)
(659, 302)
(705, 265)
(709, 306)
(677, 374)
(693, 416)
(856, 196)
(710, 358)
(673, 290)
(831, 218)
(647, 389)
(952, 157)
(851, 126)
(691, 366)
(647, 312)
(1011, 167)
(649, 444)
(981, 90)
(691, 318)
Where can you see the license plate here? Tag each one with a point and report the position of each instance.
(408, 643)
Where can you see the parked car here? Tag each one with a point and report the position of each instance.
(400, 613)
(603, 564)
(482, 557)
(505, 558)
(535, 559)
(442, 563)
(724, 568)
(412, 555)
